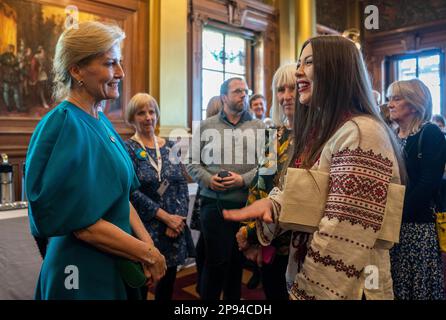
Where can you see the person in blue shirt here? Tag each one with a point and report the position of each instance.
(79, 178)
(162, 200)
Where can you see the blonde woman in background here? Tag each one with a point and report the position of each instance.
(79, 177)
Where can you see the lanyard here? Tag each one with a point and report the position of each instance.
(159, 161)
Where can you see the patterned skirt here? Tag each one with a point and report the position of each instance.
(416, 264)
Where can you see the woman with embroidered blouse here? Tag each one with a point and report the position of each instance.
(162, 200)
(336, 131)
(417, 269)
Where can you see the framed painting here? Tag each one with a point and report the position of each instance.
(28, 37)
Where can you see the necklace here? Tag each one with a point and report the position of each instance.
(403, 140)
(413, 132)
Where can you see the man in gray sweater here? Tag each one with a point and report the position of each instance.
(223, 161)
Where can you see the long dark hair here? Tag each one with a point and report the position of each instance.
(341, 89)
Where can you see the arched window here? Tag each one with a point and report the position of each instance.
(228, 39)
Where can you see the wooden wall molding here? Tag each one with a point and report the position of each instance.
(401, 41)
(253, 14)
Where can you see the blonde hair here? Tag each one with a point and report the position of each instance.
(418, 96)
(77, 45)
(137, 102)
(284, 76)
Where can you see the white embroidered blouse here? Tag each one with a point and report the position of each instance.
(341, 261)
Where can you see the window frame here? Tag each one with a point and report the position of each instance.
(249, 39)
(391, 69)
(258, 20)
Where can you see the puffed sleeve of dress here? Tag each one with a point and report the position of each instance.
(70, 181)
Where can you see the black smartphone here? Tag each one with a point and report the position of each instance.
(224, 174)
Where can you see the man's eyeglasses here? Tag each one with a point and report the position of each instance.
(240, 91)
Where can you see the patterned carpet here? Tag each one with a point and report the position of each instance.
(187, 279)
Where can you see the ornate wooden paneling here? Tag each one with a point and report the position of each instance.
(395, 14)
(332, 14)
(15, 132)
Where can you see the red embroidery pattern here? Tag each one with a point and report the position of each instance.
(300, 294)
(346, 240)
(365, 218)
(358, 186)
(339, 265)
(367, 159)
(324, 287)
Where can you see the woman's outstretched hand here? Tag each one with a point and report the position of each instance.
(261, 209)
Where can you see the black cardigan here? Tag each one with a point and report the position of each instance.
(424, 173)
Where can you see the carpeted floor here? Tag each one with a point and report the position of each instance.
(187, 279)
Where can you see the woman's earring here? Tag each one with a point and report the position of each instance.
(80, 83)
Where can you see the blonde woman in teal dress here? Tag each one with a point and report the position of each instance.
(79, 178)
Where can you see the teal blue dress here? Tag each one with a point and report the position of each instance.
(77, 172)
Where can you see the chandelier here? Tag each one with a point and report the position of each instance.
(224, 56)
